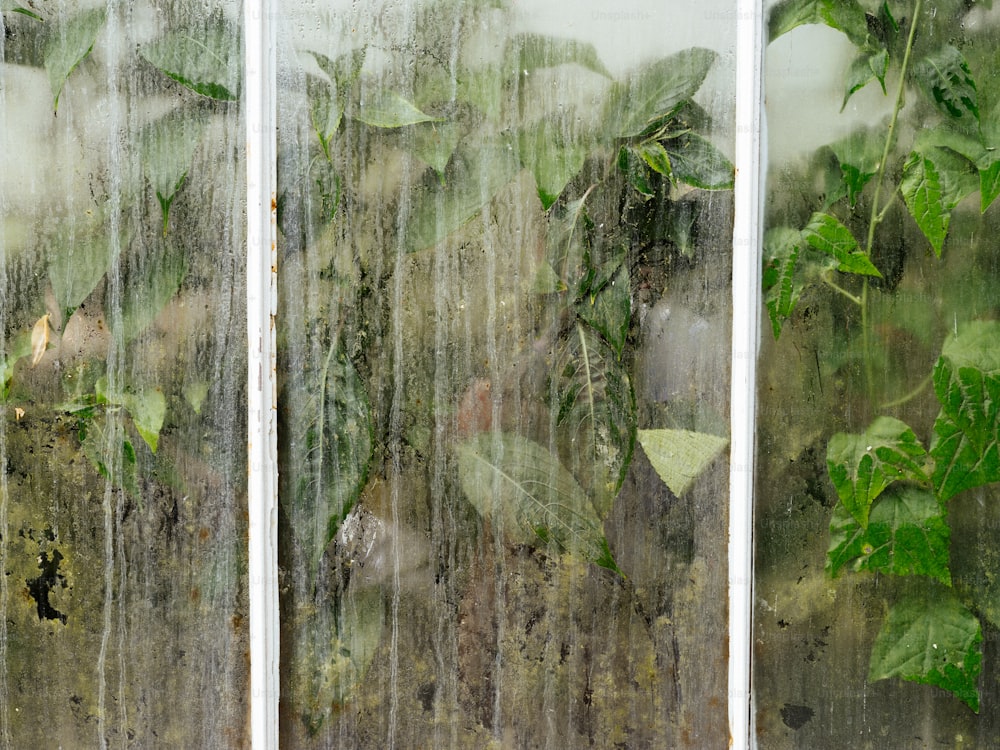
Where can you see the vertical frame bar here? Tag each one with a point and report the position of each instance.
(746, 336)
(262, 490)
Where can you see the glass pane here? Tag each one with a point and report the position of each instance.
(503, 351)
(122, 613)
(876, 588)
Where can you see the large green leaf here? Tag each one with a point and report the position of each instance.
(680, 456)
(862, 466)
(924, 196)
(967, 384)
(595, 413)
(931, 638)
(387, 109)
(945, 78)
(529, 52)
(859, 155)
(869, 65)
(473, 177)
(843, 15)
(434, 143)
(566, 244)
(329, 449)
(148, 289)
(907, 534)
(656, 90)
(332, 651)
(69, 43)
(553, 154)
(147, 407)
(206, 59)
(328, 99)
(522, 487)
(166, 148)
(989, 183)
(782, 246)
(696, 162)
(609, 311)
(77, 263)
(828, 235)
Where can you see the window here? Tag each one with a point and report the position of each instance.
(494, 269)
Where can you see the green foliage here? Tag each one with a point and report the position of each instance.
(892, 514)
(680, 456)
(203, 58)
(931, 638)
(520, 486)
(331, 444)
(69, 43)
(907, 534)
(861, 466)
(967, 384)
(466, 131)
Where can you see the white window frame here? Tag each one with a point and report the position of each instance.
(262, 467)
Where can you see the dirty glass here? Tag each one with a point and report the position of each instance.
(122, 397)
(876, 607)
(503, 339)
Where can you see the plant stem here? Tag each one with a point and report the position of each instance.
(837, 288)
(876, 215)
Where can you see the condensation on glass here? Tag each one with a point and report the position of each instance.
(122, 429)
(876, 515)
(503, 336)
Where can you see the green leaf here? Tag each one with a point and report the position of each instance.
(907, 534)
(69, 43)
(553, 155)
(967, 385)
(931, 638)
(870, 65)
(16, 349)
(520, 486)
(923, 194)
(635, 170)
(781, 291)
(166, 148)
(5, 7)
(862, 466)
(656, 90)
(328, 100)
(609, 311)
(828, 235)
(147, 407)
(843, 15)
(859, 155)
(434, 143)
(567, 246)
(696, 162)
(149, 289)
(206, 59)
(945, 79)
(387, 109)
(474, 176)
(77, 264)
(680, 456)
(656, 157)
(529, 52)
(595, 413)
(332, 650)
(330, 443)
(989, 183)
